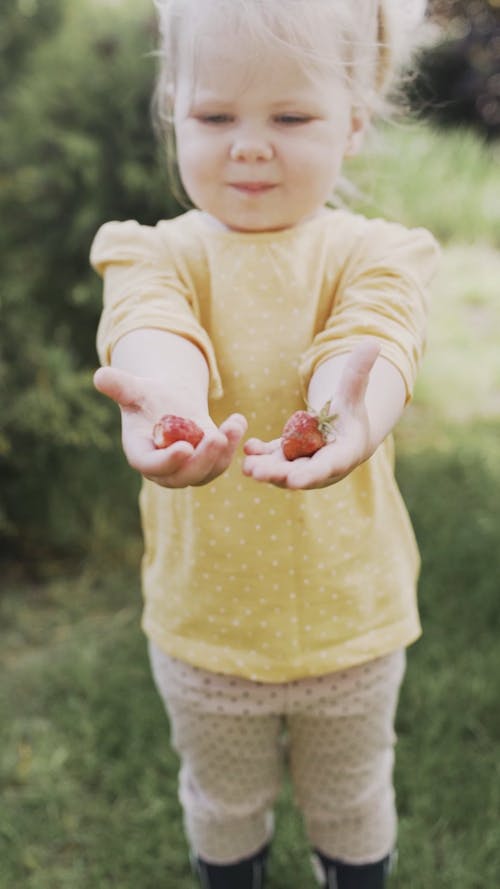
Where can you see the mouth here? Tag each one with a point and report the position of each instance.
(253, 188)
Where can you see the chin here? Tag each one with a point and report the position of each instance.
(258, 225)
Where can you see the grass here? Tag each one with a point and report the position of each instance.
(447, 182)
(87, 777)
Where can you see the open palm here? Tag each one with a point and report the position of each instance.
(142, 402)
(350, 445)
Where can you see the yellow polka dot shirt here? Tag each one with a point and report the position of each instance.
(240, 577)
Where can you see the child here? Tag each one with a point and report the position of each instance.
(278, 594)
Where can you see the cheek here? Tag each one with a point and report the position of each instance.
(190, 147)
(198, 161)
(187, 166)
(315, 168)
(186, 151)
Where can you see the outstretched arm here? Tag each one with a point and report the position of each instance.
(367, 394)
(153, 373)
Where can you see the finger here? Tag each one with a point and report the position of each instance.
(231, 432)
(150, 461)
(266, 468)
(356, 373)
(256, 446)
(210, 459)
(180, 464)
(234, 428)
(212, 456)
(328, 465)
(120, 386)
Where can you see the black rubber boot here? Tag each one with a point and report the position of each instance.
(246, 874)
(338, 875)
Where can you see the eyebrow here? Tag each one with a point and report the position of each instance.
(206, 100)
(292, 102)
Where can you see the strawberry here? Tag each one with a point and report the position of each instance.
(305, 432)
(171, 428)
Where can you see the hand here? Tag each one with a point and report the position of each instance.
(352, 445)
(142, 402)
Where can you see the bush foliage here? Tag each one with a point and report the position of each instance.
(458, 80)
(77, 149)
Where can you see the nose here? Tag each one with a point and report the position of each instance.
(251, 148)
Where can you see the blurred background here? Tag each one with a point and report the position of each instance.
(77, 148)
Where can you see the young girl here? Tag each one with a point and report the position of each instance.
(279, 595)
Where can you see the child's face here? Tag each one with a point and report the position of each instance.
(260, 144)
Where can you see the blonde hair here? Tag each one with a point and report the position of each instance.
(367, 42)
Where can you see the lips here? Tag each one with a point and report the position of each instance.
(252, 187)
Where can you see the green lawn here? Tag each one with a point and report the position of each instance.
(87, 778)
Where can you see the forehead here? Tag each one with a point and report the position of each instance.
(223, 31)
(227, 66)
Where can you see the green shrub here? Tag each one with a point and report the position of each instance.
(24, 23)
(457, 79)
(77, 149)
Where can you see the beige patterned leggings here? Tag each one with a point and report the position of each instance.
(235, 737)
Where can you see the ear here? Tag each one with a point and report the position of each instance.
(359, 124)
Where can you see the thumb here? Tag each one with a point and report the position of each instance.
(120, 386)
(356, 373)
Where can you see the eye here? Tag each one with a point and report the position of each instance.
(292, 119)
(215, 119)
